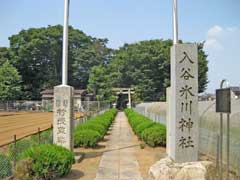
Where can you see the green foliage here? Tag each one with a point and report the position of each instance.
(9, 82)
(21, 145)
(4, 55)
(142, 126)
(202, 69)
(153, 134)
(89, 133)
(100, 83)
(48, 161)
(37, 54)
(145, 66)
(5, 166)
(86, 138)
(95, 127)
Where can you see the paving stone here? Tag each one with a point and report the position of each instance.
(118, 161)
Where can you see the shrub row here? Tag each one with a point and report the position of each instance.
(46, 161)
(154, 134)
(89, 133)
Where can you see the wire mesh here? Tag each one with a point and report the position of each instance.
(11, 153)
(209, 128)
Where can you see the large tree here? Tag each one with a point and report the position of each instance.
(4, 55)
(10, 79)
(146, 67)
(37, 54)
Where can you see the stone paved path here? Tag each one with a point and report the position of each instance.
(118, 161)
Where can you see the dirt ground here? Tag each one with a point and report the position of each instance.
(24, 123)
(147, 157)
(87, 168)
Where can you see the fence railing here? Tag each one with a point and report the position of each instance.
(209, 128)
(13, 144)
(10, 152)
(21, 105)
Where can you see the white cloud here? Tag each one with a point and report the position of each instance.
(223, 48)
(213, 43)
(214, 31)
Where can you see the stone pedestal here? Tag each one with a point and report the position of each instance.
(184, 123)
(167, 169)
(63, 116)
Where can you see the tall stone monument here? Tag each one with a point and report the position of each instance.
(184, 125)
(63, 116)
(63, 96)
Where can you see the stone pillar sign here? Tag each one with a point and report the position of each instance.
(63, 116)
(184, 123)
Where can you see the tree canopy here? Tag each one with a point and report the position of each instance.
(146, 67)
(37, 54)
(10, 80)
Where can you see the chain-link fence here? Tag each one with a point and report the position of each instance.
(155, 111)
(25, 124)
(21, 106)
(209, 133)
(10, 153)
(47, 106)
(209, 129)
(91, 109)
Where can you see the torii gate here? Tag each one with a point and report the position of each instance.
(127, 91)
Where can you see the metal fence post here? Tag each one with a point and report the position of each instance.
(15, 151)
(39, 136)
(217, 154)
(220, 146)
(228, 143)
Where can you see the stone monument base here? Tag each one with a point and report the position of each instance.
(167, 169)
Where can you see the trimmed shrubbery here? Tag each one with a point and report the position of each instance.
(45, 162)
(154, 134)
(86, 138)
(89, 133)
(142, 126)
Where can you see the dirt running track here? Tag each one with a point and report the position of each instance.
(23, 123)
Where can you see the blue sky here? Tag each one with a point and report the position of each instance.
(126, 21)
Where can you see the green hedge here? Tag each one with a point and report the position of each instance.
(86, 138)
(154, 134)
(45, 162)
(89, 133)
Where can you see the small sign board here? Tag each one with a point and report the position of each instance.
(223, 100)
